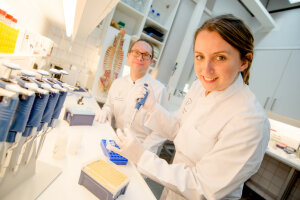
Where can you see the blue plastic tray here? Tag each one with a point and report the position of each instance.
(114, 157)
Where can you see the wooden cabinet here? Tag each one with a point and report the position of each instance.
(275, 80)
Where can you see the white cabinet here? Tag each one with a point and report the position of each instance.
(134, 15)
(287, 97)
(275, 80)
(138, 15)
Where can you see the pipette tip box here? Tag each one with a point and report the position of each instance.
(113, 157)
(103, 180)
(77, 116)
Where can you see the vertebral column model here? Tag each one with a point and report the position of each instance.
(112, 62)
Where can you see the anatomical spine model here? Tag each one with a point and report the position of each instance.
(113, 60)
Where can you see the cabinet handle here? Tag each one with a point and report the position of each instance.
(266, 102)
(273, 103)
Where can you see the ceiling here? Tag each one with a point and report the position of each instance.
(89, 13)
(92, 12)
(52, 11)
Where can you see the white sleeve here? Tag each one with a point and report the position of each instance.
(162, 122)
(153, 141)
(108, 106)
(235, 157)
(163, 98)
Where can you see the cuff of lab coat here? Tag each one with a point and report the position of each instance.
(150, 119)
(144, 157)
(106, 109)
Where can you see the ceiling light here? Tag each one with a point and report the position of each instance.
(69, 13)
(294, 1)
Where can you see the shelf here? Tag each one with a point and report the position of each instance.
(156, 24)
(19, 56)
(129, 10)
(132, 18)
(151, 39)
(136, 21)
(167, 10)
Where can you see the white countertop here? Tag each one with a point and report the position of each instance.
(66, 185)
(279, 154)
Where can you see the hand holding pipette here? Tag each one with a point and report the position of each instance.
(140, 102)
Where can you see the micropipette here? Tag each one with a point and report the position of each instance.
(138, 105)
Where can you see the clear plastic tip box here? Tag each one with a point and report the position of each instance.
(113, 157)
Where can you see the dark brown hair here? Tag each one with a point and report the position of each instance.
(236, 33)
(143, 40)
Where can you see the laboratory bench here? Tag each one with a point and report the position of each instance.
(58, 176)
(278, 176)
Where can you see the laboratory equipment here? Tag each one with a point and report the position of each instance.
(139, 103)
(29, 136)
(8, 104)
(103, 180)
(26, 98)
(52, 114)
(62, 96)
(113, 157)
(79, 116)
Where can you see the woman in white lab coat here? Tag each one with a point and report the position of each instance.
(220, 132)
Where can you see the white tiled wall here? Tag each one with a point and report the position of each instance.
(295, 193)
(82, 52)
(271, 176)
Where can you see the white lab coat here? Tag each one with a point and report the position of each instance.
(120, 104)
(220, 141)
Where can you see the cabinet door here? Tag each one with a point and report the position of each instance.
(265, 73)
(287, 96)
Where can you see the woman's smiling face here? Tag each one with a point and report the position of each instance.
(217, 64)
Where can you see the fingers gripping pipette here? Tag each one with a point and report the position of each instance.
(139, 103)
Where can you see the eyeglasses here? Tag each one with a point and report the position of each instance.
(145, 56)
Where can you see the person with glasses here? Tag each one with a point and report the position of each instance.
(119, 102)
(220, 132)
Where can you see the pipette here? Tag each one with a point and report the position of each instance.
(138, 105)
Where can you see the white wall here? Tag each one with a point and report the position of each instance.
(27, 13)
(82, 53)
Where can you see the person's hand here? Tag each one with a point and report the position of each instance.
(103, 116)
(130, 147)
(150, 101)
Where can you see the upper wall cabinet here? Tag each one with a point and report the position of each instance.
(274, 79)
(147, 19)
(89, 14)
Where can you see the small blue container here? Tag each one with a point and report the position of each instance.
(113, 157)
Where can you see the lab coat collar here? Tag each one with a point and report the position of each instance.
(216, 95)
(140, 80)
